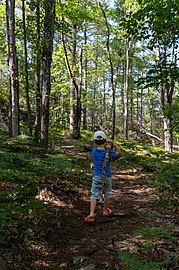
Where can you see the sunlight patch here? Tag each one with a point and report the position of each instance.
(142, 190)
(40, 263)
(48, 197)
(7, 185)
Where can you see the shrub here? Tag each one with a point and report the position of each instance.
(167, 178)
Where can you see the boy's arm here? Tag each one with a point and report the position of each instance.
(117, 150)
(112, 144)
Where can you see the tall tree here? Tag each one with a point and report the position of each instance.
(26, 70)
(74, 88)
(13, 69)
(156, 22)
(75, 97)
(37, 74)
(126, 87)
(85, 78)
(49, 7)
(112, 72)
(165, 39)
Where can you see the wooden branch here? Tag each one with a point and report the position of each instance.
(153, 136)
(68, 64)
(139, 128)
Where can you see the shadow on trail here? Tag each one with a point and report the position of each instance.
(56, 236)
(66, 242)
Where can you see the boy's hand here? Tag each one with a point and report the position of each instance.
(111, 143)
(108, 146)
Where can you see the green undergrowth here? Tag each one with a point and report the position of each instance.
(31, 181)
(30, 184)
(153, 245)
(161, 168)
(133, 262)
(154, 248)
(162, 232)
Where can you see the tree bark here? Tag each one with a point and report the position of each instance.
(78, 102)
(150, 111)
(13, 69)
(46, 65)
(37, 77)
(112, 74)
(167, 134)
(26, 72)
(85, 79)
(167, 84)
(126, 88)
(75, 95)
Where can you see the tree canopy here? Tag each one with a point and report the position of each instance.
(113, 67)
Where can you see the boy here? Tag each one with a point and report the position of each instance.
(99, 155)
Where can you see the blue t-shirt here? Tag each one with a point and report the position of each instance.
(98, 160)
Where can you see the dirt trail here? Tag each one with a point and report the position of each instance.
(72, 244)
(98, 242)
(94, 246)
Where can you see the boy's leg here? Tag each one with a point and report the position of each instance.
(92, 207)
(107, 195)
(90, 217)
(106, 210)
(106, 205)
(95, 195)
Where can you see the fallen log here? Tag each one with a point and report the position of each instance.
(145, 133)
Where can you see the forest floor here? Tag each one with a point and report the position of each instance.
(135, 237)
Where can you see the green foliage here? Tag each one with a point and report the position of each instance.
(175, 115)
(21, 140)
(87, 136)
(25, 171)
(156, 232)
(163, 168)
(132, 262)
(150, 238)
(167, 178)
(3, 98)
(74, 10)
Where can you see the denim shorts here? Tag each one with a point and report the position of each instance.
(97, 187)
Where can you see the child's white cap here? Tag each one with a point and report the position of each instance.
(99, 135)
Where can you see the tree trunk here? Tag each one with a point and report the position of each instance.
(13, 69)
(26, 72)
(37, 76)
(112, 74)
(166, 91)
(104, 96)
(167, 134)
(126, 88)
(85, 80)
(72, 107)
(46, 65)
(132, 110)
(74, 89)
(72, 86)
(78, 102)
(150, 111)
